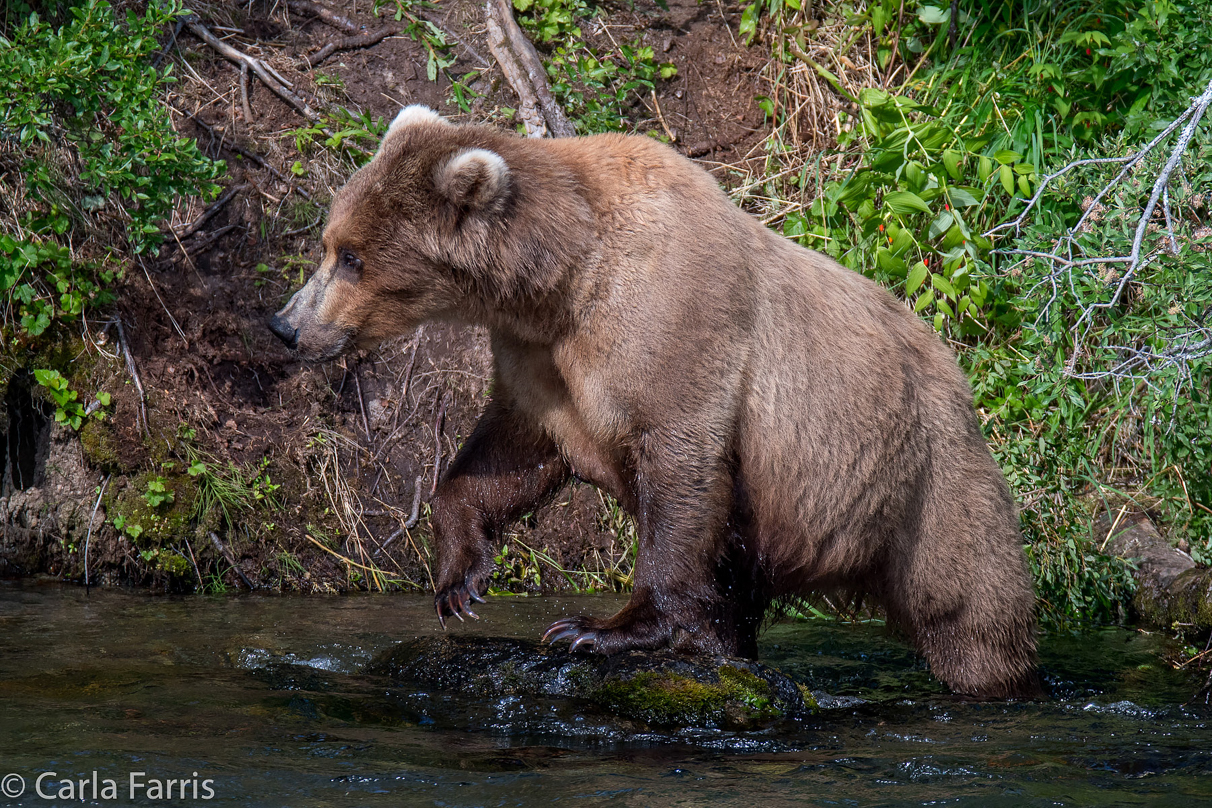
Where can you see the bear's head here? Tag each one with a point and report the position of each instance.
(418, 231)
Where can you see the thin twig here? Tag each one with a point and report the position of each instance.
(89, 535)
(661, 117)
(193, 561)
(156, 292)
(214, 539)
(141, 415)
(362, 403)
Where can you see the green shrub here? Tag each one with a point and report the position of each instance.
(1087, 406)
(91, 164)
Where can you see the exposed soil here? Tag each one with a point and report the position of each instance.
(351, 443)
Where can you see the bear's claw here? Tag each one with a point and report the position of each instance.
(573, 627)
(456, 602)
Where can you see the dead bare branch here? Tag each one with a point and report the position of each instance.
(1065, 257)
(269, 78)
(214, 539)
(354, 42)
(211, 210)
(523, 69)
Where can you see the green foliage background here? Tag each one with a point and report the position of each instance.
(91, 156)
(960, 147)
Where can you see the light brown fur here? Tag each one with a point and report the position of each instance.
(776, 423)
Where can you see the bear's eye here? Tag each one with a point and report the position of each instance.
(350, 261)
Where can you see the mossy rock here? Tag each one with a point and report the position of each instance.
(660, 689)
(100, 447)
(166, 523)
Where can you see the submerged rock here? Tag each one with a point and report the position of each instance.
(660, 689)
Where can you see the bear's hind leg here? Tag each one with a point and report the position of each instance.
(961, 587)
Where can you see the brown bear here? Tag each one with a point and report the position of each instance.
(775, 423)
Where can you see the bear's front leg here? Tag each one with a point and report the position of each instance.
(506, 468)
(683, 495)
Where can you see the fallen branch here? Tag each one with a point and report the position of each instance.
(305, 7)
(415, 515)
(268, 77)
(208, 240)
(354, 42)
(228, 558)
(238, 149)
(523, 69)
(1170, 587)
(215, 207)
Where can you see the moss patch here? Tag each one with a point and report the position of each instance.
(667, 698)
(151, 526)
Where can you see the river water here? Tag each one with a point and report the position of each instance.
(258, 701)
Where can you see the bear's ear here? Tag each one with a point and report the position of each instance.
(412, 115)
(474, 179)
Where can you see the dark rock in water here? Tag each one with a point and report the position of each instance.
(660, 689)
(1170, 588)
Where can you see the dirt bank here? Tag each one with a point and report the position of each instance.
(223, 463)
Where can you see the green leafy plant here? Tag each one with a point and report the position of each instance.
(123, 525)
(158, 493)
(68, 409)
(439, 54)
(98, 165)
(356, 134)
(551, 20)
(596, 90)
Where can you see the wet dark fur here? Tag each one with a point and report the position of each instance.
(776, 424)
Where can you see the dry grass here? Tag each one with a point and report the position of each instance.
(786, 170)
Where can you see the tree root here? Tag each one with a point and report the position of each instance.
(358, 38)
(268, 76)
(354, 42)
(520, 63)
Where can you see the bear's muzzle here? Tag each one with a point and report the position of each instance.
(284, 331)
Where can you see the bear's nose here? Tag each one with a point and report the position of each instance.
(284, 331)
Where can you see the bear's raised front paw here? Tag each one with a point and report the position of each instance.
(455, 601)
